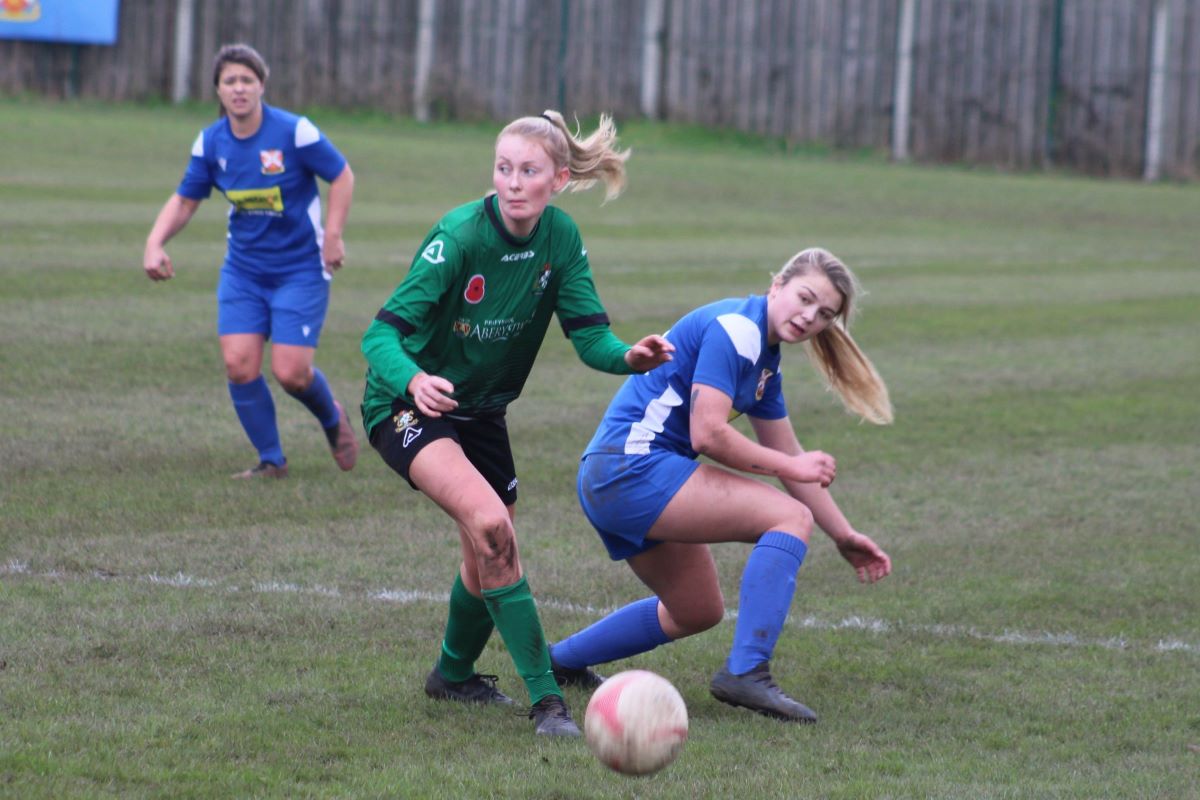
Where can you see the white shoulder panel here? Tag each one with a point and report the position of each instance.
(198, 146)
(306, 133)
(745, 335)
(642, 433)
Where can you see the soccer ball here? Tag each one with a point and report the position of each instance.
(636, 722)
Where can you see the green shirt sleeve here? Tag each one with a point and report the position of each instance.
(599, 348)
(390, 365)
(404, 315)
(580, 311)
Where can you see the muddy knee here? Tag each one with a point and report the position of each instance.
(495, 549)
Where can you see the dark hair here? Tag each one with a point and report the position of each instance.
(242, 54)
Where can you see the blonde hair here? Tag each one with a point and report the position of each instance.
(588, 159)
(833, 352)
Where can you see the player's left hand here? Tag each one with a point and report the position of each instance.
(649, 352)
(333, 252)
(871, 563)
(157, 264)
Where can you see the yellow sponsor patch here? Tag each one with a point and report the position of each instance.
(268, 199)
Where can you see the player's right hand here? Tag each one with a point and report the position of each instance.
(157, 264)
(431, 394)
(816, 466)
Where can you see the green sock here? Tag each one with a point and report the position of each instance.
(516, 617)
(468, 627)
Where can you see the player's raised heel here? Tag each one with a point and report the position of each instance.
(757, 691)
(551, 717)
(342, 442)
(475, 689)
(264, 469)
(583, 677)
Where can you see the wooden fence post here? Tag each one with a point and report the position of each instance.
(652, 56)
(426, 14)
(1054, 93)
(902, 93)
(1154, 97)
(181, 77)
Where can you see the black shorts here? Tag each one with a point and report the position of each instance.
(484, 441)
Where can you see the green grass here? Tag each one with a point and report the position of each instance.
(167, 632)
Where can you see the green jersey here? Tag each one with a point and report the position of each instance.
(474, 309)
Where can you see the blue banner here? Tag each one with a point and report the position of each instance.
(76, 21)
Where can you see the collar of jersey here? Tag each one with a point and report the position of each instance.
(489, 205)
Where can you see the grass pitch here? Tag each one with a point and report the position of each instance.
(165, 631)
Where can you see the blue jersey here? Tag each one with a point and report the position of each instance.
(270, 181)
(722, 345)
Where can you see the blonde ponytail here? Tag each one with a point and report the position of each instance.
(833, 352)
(588, 159)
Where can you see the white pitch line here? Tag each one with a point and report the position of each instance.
(853, 623)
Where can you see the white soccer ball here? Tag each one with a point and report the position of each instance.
(636, 722)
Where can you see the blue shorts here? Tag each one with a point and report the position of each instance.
(287, 309)
(623, 495)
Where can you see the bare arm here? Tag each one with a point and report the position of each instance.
(341, 194)
(713, 436)
(174, 216)
(868, 560)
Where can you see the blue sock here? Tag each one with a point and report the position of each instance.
(256, 410)
(318, 399)
(625, 632)
(768, 583)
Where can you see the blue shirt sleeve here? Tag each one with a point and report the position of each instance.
(317, 153)
(197, 180)
(717, 363)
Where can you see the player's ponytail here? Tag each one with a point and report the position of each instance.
(833, 352)
(588, 159)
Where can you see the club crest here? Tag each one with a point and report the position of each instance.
(542, 280)
(272, 161)
(762, 384)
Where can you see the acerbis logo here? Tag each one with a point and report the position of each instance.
(433, 253)
(406, 423)
(528, 254)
